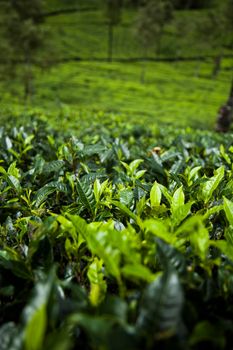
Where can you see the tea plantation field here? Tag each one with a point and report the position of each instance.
(115, 237)
(72, 80)
(181, 93)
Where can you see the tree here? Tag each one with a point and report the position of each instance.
(192, 4)
(25, 35)
(151, 21)
(225, 113)
(215, 30)
(133, 3)
(113, 14)
(152, 18)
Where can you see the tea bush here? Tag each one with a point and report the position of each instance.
(115, 238)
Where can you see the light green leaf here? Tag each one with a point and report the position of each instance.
(29, 139)
(135, 164)
(126, 166)
(181, 213)
(166, 194)
(193, 173)
(98, 284)
(155, 195)
(2, 170)
(35, 314)
(211, 185)
(100, 244)
(228, 208)
(97, 190)
(35, 330)
(139, 174)
(225, 155)
(224, 246)
(140, 206)
(79, 224)
(200, 242)
(138, 271)
(177, 199)
(213, 210)
(13, 170)
(132, 167)
(194, 229)
(159, 229)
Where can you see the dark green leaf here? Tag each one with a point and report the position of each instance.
(161, 305)
(86, 195)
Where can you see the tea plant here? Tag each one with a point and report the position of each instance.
(118, 239)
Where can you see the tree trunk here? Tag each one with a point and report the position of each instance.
(110, 41)
(217, 66)
(159, 40)
(28, 88)
(143, 73)
(143, 67)
(197, 69)
(225, 114)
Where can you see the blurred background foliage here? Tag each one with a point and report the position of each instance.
(170, 59)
